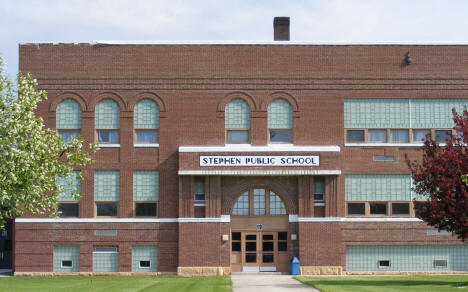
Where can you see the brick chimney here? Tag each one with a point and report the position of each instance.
(281, 28)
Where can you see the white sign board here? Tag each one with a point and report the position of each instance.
(259, 161)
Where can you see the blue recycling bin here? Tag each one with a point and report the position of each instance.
(294, 266)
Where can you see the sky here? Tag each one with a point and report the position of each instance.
(232, 20)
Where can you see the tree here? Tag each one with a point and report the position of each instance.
(441, 177)
(31, 156)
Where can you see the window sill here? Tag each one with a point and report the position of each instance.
(386, 144)
(199, 205)
(149, 145)
(319, 204)
(108, 145)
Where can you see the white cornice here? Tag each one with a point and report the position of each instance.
(358, 219)
(279, 172)
(222, 219)
(269, 148)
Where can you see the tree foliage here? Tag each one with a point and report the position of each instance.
(31, 156)
(441, 176)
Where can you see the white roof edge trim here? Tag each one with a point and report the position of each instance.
(261, 172)
(247, 42)
(269, 148)
(221, 219)
(358, 219)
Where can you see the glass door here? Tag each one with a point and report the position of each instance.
(268, 251)
(250, 249)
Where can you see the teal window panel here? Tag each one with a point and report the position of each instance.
(71, 186)
(407, 258)
(435, 113)
(280, 114)
(376, 113)
(146, 114)
(106, 185)
(276, 205)
(107, 114)
(144, 253)
(66, 253)
(105, 262)
(145, 185)
(68, 115)
(378, 187)
(237, 114)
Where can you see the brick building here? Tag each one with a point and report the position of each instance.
(220, 157)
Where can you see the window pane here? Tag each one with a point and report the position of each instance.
(276, 205)
(400, 208)
(378, 208)
(356, 209)
(234, 136)
(267, 237)
(378, 135)
(145, 209)
(268, 258)
(251, 246)
(236, 236)
(420, 135)
(283, 246)
(318, 198)
(68, 210)
(250, 237)
(106, 209)
(67, 264)
(68, 135)
(259, 202)
(108, 137)
(443, 135)
(145, 264)
(282, 236)
(147, 136)
(355, 135)
(236, 246)
(384, 264)
(400, 136)
(267, 246)
(250, 257)
(242, 205)
(280, 136)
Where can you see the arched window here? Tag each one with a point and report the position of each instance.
(280, 121)
(146, 121)
(68, 119)
(259, 202)
(237, 121)
(108, 121)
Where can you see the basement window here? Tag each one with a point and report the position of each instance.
(440, 263)
(383, 264)
(145, 264)
(67, 264)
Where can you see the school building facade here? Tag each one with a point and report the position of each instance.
(230, 157)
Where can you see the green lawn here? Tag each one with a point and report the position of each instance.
(116, 283)
(423, 283)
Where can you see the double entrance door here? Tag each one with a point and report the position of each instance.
(259, 251)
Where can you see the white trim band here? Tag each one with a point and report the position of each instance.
(269, 148)
(260, 172)
(222, 219)
(146, 145)
(358, 219)
(108, 145)
(384, 144)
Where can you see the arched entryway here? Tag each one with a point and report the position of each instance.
(259, 232)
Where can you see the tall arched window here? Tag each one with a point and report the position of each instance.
(280, 121)
(259, 202)
(107, 121)
(237, 121)
(68, 119)
(146, 121)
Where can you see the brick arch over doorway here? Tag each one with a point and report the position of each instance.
(285, 187)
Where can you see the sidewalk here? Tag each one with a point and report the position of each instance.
(267, 283)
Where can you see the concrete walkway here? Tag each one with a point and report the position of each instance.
(267, 283)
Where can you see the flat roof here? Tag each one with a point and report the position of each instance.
(252, 43)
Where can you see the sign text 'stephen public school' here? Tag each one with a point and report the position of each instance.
(259, 160)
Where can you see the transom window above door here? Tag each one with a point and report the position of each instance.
(259, 202)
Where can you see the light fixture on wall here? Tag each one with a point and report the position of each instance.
(408, 59)
(225, 237)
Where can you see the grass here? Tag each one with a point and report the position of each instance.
(417, 283)
(116, 283)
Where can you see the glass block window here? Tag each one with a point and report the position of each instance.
(435, 112)
(106, 185)
(144, 258)
(71, 186)
(237, 114)
(376, 113)
(276, 205)
(259, 202)
(145, 185)
(66, 258)
(407, 258)
(378, 187)
(105, 259)
(107, 114)
(280, 114)
(146, 114)
(241, 207)
(68, 115)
